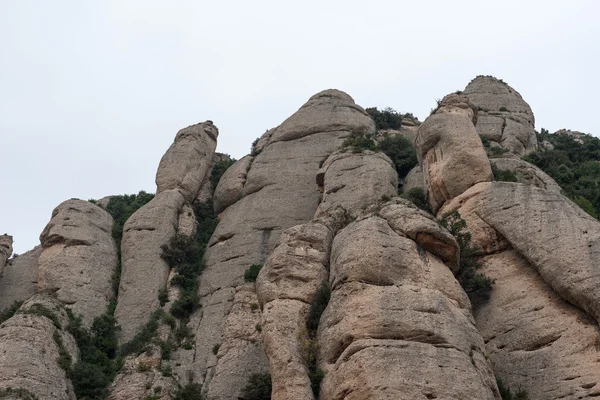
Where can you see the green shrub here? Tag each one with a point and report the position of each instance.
(504, 109)
(163, 296)
(215, 349)
(219, 169)
(139, 342)
(258, 387)
(506, 393)
(64, 358)
(310, 347)
(122, 207)
(585, 205)
(574, 166)
(476, 285)
(191, 391)
(360, 140)
(40, 310)
(98, 362)
(252, 273)
(419, 198)
(401, 151)
(10, 311)
(503, 175)
(388, 118)
(19, 393)
(398, 148)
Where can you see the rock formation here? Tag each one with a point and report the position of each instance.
(504, 118)
(181, 173)
(279, 192)
(6, 242)
(19, 281)
(540, 251)
(450, 152)
(79, 258)
(359, 292)
(31, 343)
(527, 173)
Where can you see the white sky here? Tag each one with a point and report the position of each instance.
(93, 92)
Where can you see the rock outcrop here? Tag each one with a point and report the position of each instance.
(450, 152)
(396, 308)
(186, 163)
(503, 116)
(6, 242)
(231, 186)
(527, 173)
(279, 192)
(19, 281)
(79, 258)
(31, 343)
(183, 170)
(373, 177)
(359, 292)
(537, 342)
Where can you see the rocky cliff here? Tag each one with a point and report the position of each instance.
(299, 272)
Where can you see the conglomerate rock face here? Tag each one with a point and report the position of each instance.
(504, 118)
(326, 223)
(79, 258)
(540, 250)
(6, 242)
(396, 309)
(182, 171)
(19, 281)
(30, 346)
(186, 162)
(279, 192)
(450, 152)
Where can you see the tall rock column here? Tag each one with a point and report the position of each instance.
(79, 258)
(181, 173)
(275, 192)
(539, 249)
(6, 242)
(450, 152)
(397, 311)
(299, 265)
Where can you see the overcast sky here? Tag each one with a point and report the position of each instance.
(93, 92)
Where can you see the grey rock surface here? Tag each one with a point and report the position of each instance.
(396, 310)
(19, 281)
(503, 117)
(6, 242)
(279, 192)
(29, 350)
(186, 163)
(536, 341)
(414, 179)
(286, 286)
(144, 272)
(527, 173)
(79, 258)
(356, 180)
(231, 186)
(556, 236)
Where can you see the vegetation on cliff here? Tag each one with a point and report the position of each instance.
(476, 285)
(574, 163)
(397, 147)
